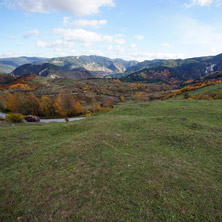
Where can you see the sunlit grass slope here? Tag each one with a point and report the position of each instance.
(158, 161)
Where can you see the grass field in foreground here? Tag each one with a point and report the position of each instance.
(158, 161)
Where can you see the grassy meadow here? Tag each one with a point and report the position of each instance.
(204, 90)
(154, 161)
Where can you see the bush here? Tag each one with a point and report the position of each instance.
(122, 99)
(186, 96)
(204, 97)
(15, 117)
(88, 113)
(218, 95)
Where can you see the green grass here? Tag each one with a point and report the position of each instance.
(158, 161)
(203, 90)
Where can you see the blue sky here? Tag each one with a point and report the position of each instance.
(128, 29)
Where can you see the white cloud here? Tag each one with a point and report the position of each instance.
(75, 7)
(60, 43)
(197, 38)
(82, 23)
(120, 41)
(110, 47)
(73, 51)
(133, 46)
(139, 37)
(202, 3)
(58, 50)
(165, 45)
(66, 20)
(41, 44)
(92, 52)
(120, 49)
(118, 35)
(141, 56)
(55, 44)
(195, 32)
(6, 54)
(81, 35)
(108, 38)
(131, 52)
(31, 33)
(12, 54)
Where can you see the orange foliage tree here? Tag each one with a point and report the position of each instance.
(66, 105)
(25, 103)
(47, 106)
(109, 103)
(138, 96)
(20, 86)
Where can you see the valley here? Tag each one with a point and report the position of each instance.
(146, 146)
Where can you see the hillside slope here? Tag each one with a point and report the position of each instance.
(158, 161)
(7, 65)
(99, 65)
(171, 71)
(52, 71)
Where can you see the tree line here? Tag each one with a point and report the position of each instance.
(26, 103)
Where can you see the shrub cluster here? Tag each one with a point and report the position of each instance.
(213, 95)
(15, 117)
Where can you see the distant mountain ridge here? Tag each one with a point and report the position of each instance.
(102, 66)
(174, 71)
(52, 71)
(78, 67)
(7, 65)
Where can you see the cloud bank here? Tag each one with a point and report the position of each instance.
(83, 23)
(203, 3)
(75, 7)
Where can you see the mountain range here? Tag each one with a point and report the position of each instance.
(53, 71)
(82, 67)
(174, 71)
(7, 65)
(100, 66)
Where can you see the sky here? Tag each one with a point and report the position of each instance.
(128, 29)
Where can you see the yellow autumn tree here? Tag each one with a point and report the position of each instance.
(66, 105)
(122, 99)
(34, 104)
(46, 106)
(79, 108)
(11, 102)
(25, 103)
(20, 86)
(138, 96)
